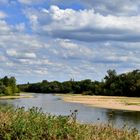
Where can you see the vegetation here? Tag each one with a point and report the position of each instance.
(126, 84)
(8, 86)
(35, 125)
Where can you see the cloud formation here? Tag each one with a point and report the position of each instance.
(115, 7)
(106, 7)
(77, 39)
(90, 26)
(30, 2)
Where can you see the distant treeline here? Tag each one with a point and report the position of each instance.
(8, 86)
(126, 84)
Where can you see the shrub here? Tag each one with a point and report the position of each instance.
(18, 124)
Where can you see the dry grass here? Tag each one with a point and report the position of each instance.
(35, 125)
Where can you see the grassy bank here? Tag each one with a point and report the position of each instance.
(34, 125)
(110, 102)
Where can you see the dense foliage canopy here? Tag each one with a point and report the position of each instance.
(8, 86)
(126, 84)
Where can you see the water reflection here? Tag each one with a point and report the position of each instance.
(122, 118)
(54, 105)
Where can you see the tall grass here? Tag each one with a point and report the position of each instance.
(18, 124)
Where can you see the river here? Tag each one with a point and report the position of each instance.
(54, 105)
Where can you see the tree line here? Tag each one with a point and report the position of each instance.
(126, 84)
(8, 86)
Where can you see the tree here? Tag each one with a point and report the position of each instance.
(126, 84)
(8, 86)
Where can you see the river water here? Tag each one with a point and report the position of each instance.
(54, 105)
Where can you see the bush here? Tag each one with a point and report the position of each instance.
(35, 125)
(8, 91)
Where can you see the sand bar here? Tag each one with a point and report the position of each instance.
(16, 97)
(110, 102)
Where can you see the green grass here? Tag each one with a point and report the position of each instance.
(132, 103)
(18, 124)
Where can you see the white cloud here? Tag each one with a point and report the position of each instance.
(20, 27)
(29, 2)
(90, 26)
(68, 49)
(10, 64)
(41, 71)
(4, 27)
(73, 59)
(51, 49)
(106, 7)
(21, 55)
(2, 58)
(115, 7)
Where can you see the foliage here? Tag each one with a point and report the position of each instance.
(35, 125)
(8, 86)
(126, 84)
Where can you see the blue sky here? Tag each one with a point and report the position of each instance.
(60, 40)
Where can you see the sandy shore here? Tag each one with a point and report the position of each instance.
(16, 97)
(120, 103)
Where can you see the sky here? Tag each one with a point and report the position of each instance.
(60, 40)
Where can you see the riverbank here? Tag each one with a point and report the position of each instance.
(34, 124)
(109, 102)
(22, 95)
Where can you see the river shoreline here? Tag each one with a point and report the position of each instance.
(22, 95)
(52, 104)
(108, 102)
